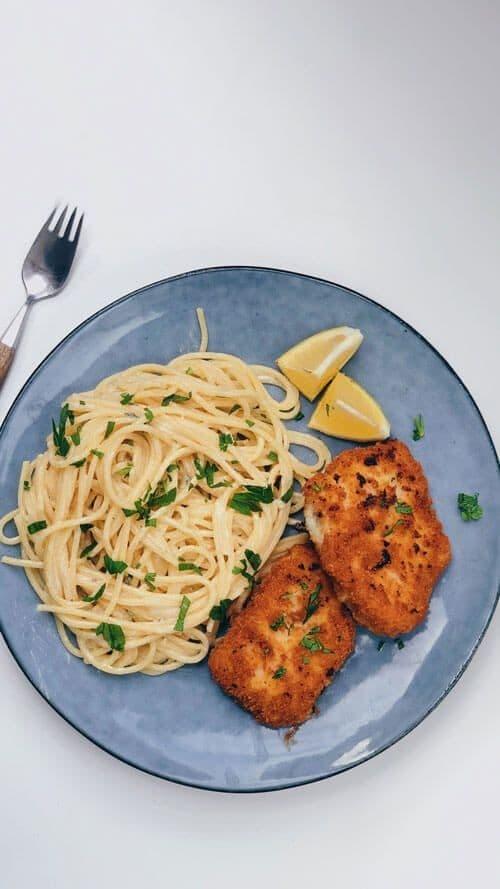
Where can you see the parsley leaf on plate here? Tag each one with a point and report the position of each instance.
(469, 508)
(418, 428)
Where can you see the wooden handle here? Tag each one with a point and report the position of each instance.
(6, 356)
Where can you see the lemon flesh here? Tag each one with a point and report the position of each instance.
(346, 410)
(313, 362)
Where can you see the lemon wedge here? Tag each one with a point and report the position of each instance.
(313, 362)
(348, 411)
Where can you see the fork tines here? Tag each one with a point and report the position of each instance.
(58, 224)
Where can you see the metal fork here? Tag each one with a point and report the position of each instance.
(44, 273)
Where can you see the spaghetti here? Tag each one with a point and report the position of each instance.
(161, 493)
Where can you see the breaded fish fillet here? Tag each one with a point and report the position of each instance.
(284, 647)
(371, 518)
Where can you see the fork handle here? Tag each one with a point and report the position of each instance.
(10, 339)
(6, 356)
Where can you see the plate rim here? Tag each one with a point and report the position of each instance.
(286, 785)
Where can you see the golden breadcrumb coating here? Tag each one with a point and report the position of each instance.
(284, 647)
(370, 516)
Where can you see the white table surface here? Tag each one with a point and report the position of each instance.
(357, 141)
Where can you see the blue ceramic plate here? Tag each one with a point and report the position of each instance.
(180, 725)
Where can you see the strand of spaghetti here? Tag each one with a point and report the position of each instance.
(200, 314)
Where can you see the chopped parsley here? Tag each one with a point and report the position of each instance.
(249, 501)
(207, 472)
(250, 423)
(95, 598)
(149, 415)
(398, 642)
(280, 672)
(125, 470)
(75, 437)
(79, 463)
(114, 567)
(272, 456)
(313, 603)
(225, 439)
(149, 579)
(404, 508)
(418, 428)
(88, 549)
(61, 443)
(254, 561)
(316, 488)
(234, 408)
(26, 485)
(278, 623)
(177, 399)
(264, 494)
(152, 500)
(393, 527)
(218, 612)
(312, 643)
(113, 634)
(109, 428)
(287, 496)
(189, 566)
(140, 509)
(97, 453)
(468, 505)
(160, 497)
(126, 398)
(35, 527)
(183, 610)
